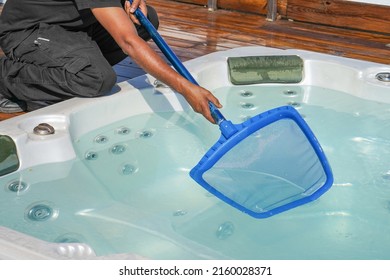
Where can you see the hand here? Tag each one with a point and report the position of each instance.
(199, 99)
(130, 9)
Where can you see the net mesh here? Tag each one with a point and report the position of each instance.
(273, 166)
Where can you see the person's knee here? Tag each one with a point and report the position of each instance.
(86, 86)
(92, 83)
(153, 17)
(109, 81)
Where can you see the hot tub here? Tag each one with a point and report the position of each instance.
(107, 178)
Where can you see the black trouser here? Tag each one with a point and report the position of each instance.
(53, 64)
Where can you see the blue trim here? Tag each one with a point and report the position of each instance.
(245, 129)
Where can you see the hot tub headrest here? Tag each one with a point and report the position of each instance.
(265, 69)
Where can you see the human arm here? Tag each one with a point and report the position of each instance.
(120, 26)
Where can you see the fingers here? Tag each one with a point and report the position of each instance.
(131, 8)
(129, 11)
(215, 101)
(208, 114)
(205, 111)
(200, 103)
(143, 7)
(134, 5)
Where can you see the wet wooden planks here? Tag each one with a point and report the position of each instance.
(213, 31)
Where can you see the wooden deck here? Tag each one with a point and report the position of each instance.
(191, 30)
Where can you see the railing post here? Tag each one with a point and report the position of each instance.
(272, 10)
(212, 5)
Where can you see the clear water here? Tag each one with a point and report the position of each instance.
(129, 190)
